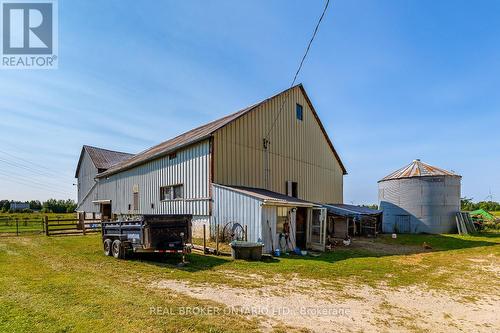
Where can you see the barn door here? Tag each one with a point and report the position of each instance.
(317, 229)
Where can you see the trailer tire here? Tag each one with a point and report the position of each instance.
(108, 244)
(117, 249)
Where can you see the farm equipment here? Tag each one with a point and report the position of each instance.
(147, 234)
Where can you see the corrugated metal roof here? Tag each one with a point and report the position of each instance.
(350, 210)
(418, 168)
(103, 158)
(202, 133)
(270, 197)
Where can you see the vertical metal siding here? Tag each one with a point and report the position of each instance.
(86, 175)
(431, 204)
(190, 168)
(298, 152)
(231, 206)
(269, 215)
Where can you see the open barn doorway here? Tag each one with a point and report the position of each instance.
(301, 227)
(106, 211)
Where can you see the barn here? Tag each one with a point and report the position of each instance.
(262, 166)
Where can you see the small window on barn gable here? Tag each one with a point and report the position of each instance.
(299, 112)
(291, 189)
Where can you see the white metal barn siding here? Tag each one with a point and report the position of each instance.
(420, 204)
(259, 216)
(233, 206)
(190, 167)
(86, 183)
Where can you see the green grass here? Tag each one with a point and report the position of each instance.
(66, 284)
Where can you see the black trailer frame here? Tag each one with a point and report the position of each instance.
(147, 234)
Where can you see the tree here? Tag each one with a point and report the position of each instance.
(58, 206)
(35, 205)
(4, 205)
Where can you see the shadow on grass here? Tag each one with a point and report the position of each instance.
(382, 246)
(196, 261)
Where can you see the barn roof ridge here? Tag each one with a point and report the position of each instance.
(203, 132)
(102, 158)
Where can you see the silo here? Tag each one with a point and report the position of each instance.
(419, 198)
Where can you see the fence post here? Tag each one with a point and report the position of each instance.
(46, 221)
(204, 239)
(217, 240)
(82, 221)
(246, 233)
(17, 226)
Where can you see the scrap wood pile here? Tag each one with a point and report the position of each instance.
(465, 225)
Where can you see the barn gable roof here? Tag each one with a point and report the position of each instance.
(204, 132)
(102, 159)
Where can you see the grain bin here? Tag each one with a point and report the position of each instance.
(419, 198)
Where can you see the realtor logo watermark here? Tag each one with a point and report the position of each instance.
(29, 34)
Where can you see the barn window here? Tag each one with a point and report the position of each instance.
(172, 156)
(299, 111)
(165, 192)
(178, 192)
(172, 192)
(291, 189)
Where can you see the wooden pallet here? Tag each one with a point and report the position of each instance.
(465, 225)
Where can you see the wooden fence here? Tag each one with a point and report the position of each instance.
(76, 226)
(16, 226)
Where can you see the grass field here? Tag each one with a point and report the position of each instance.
(66, 284)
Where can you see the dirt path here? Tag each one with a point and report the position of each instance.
(305, 304)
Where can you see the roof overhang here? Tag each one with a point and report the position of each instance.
(270, 198)
(350, 210)
(101, 201)
(289, 204)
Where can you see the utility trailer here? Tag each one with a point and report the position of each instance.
(147, 234)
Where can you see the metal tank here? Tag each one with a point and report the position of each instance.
(419, 198)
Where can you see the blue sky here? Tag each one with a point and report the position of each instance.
(391, 80)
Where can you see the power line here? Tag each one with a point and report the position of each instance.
(9, 178)
(29, 180)
(29, 166)
(25, 167)
(300, 66)
(39, 166)
(310, 42)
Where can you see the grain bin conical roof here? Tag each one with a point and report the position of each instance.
(418, 168)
